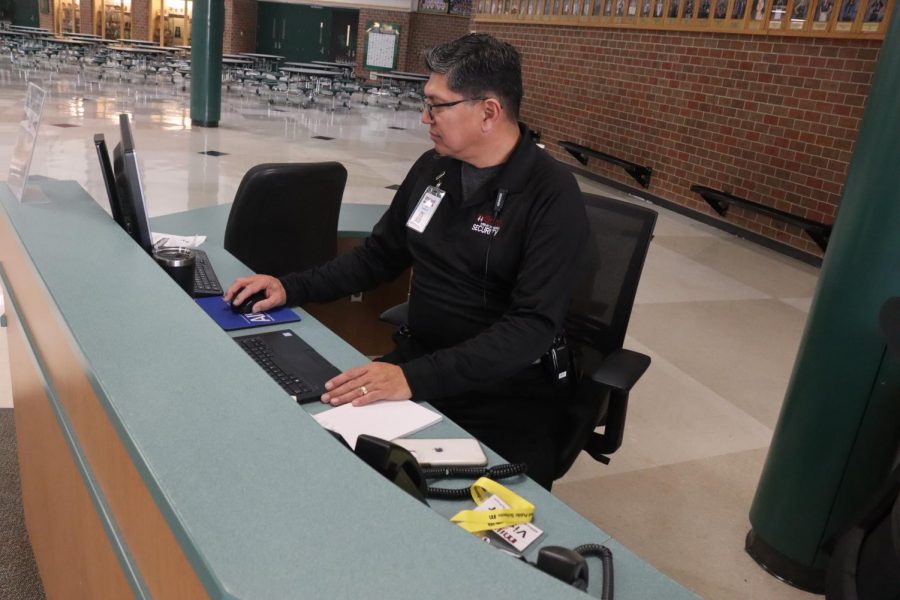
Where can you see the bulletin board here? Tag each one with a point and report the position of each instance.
(382, 46)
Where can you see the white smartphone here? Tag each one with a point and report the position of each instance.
(445, 451)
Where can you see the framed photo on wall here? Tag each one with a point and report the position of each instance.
(799, 14)
(759, 10)
(463, 8)
(434, 6)
(777, 15)
(848, 11)
(874, 15)
(721, 11)
(822, 15)
(703, 9)
(672, 12)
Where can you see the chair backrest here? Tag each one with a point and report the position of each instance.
(601, 308)
(614, 258)
(285, 216)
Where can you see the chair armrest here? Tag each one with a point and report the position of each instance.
(396, 315)
(620, 370)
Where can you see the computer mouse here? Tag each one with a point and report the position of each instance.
(246, 307)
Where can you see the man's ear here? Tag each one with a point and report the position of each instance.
(493, 114)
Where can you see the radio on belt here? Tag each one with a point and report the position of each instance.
(556, 360)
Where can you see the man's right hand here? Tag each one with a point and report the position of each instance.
(244, 287)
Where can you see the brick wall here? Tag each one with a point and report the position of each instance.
(387, 16)
(45, 20)
(771, 119)
(140, 20)
(86, 17)
(426, 30)
(240, 26)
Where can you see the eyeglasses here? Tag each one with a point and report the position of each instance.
(429, 107)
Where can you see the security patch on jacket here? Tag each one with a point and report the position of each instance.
(486, 224)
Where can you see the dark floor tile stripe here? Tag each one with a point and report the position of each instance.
(19, 577)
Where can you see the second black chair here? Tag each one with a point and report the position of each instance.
(285, 216)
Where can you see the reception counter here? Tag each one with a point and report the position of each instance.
(158, 461)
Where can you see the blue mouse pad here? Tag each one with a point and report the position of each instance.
(221, 312)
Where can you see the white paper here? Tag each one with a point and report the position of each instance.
(388, 419)
(169, 240)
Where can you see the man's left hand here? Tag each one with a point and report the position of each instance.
(366, 384)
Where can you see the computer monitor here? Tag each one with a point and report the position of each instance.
(129, 187)
(109, 180)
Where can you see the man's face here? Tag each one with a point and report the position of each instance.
(455, 130)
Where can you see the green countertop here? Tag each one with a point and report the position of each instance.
(265, 503)
(355, 220)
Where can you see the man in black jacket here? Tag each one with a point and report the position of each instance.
(494, 229)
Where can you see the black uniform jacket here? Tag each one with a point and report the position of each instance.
(490, 289)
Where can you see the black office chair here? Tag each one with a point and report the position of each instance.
(595, 327)
(865, 560)
(285, 216)
(865, 556)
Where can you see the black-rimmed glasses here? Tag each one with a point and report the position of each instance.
(429, 107)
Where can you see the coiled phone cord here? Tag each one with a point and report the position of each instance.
(496, 473)
(605, 556)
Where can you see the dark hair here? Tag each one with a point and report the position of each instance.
(478, 64)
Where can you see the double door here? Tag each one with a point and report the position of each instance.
(21, 12)
(301, 33)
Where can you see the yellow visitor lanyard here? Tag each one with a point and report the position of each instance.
(473, 521)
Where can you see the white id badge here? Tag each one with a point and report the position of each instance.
(518, 536)
(426, 208)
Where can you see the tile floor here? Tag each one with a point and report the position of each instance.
(720, 316)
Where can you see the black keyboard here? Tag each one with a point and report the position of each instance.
(205, 281)
(291, 362)
(263, 356)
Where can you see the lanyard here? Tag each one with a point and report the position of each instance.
(519, 511)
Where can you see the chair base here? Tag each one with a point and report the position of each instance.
(199, 123)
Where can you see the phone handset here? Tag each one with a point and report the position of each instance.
(399, 465)
(571, 567)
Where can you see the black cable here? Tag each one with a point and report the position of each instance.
(605, 555)
(487, 258)
(496, 473)
(498, 206)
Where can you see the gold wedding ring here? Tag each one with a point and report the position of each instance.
(363, 390)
